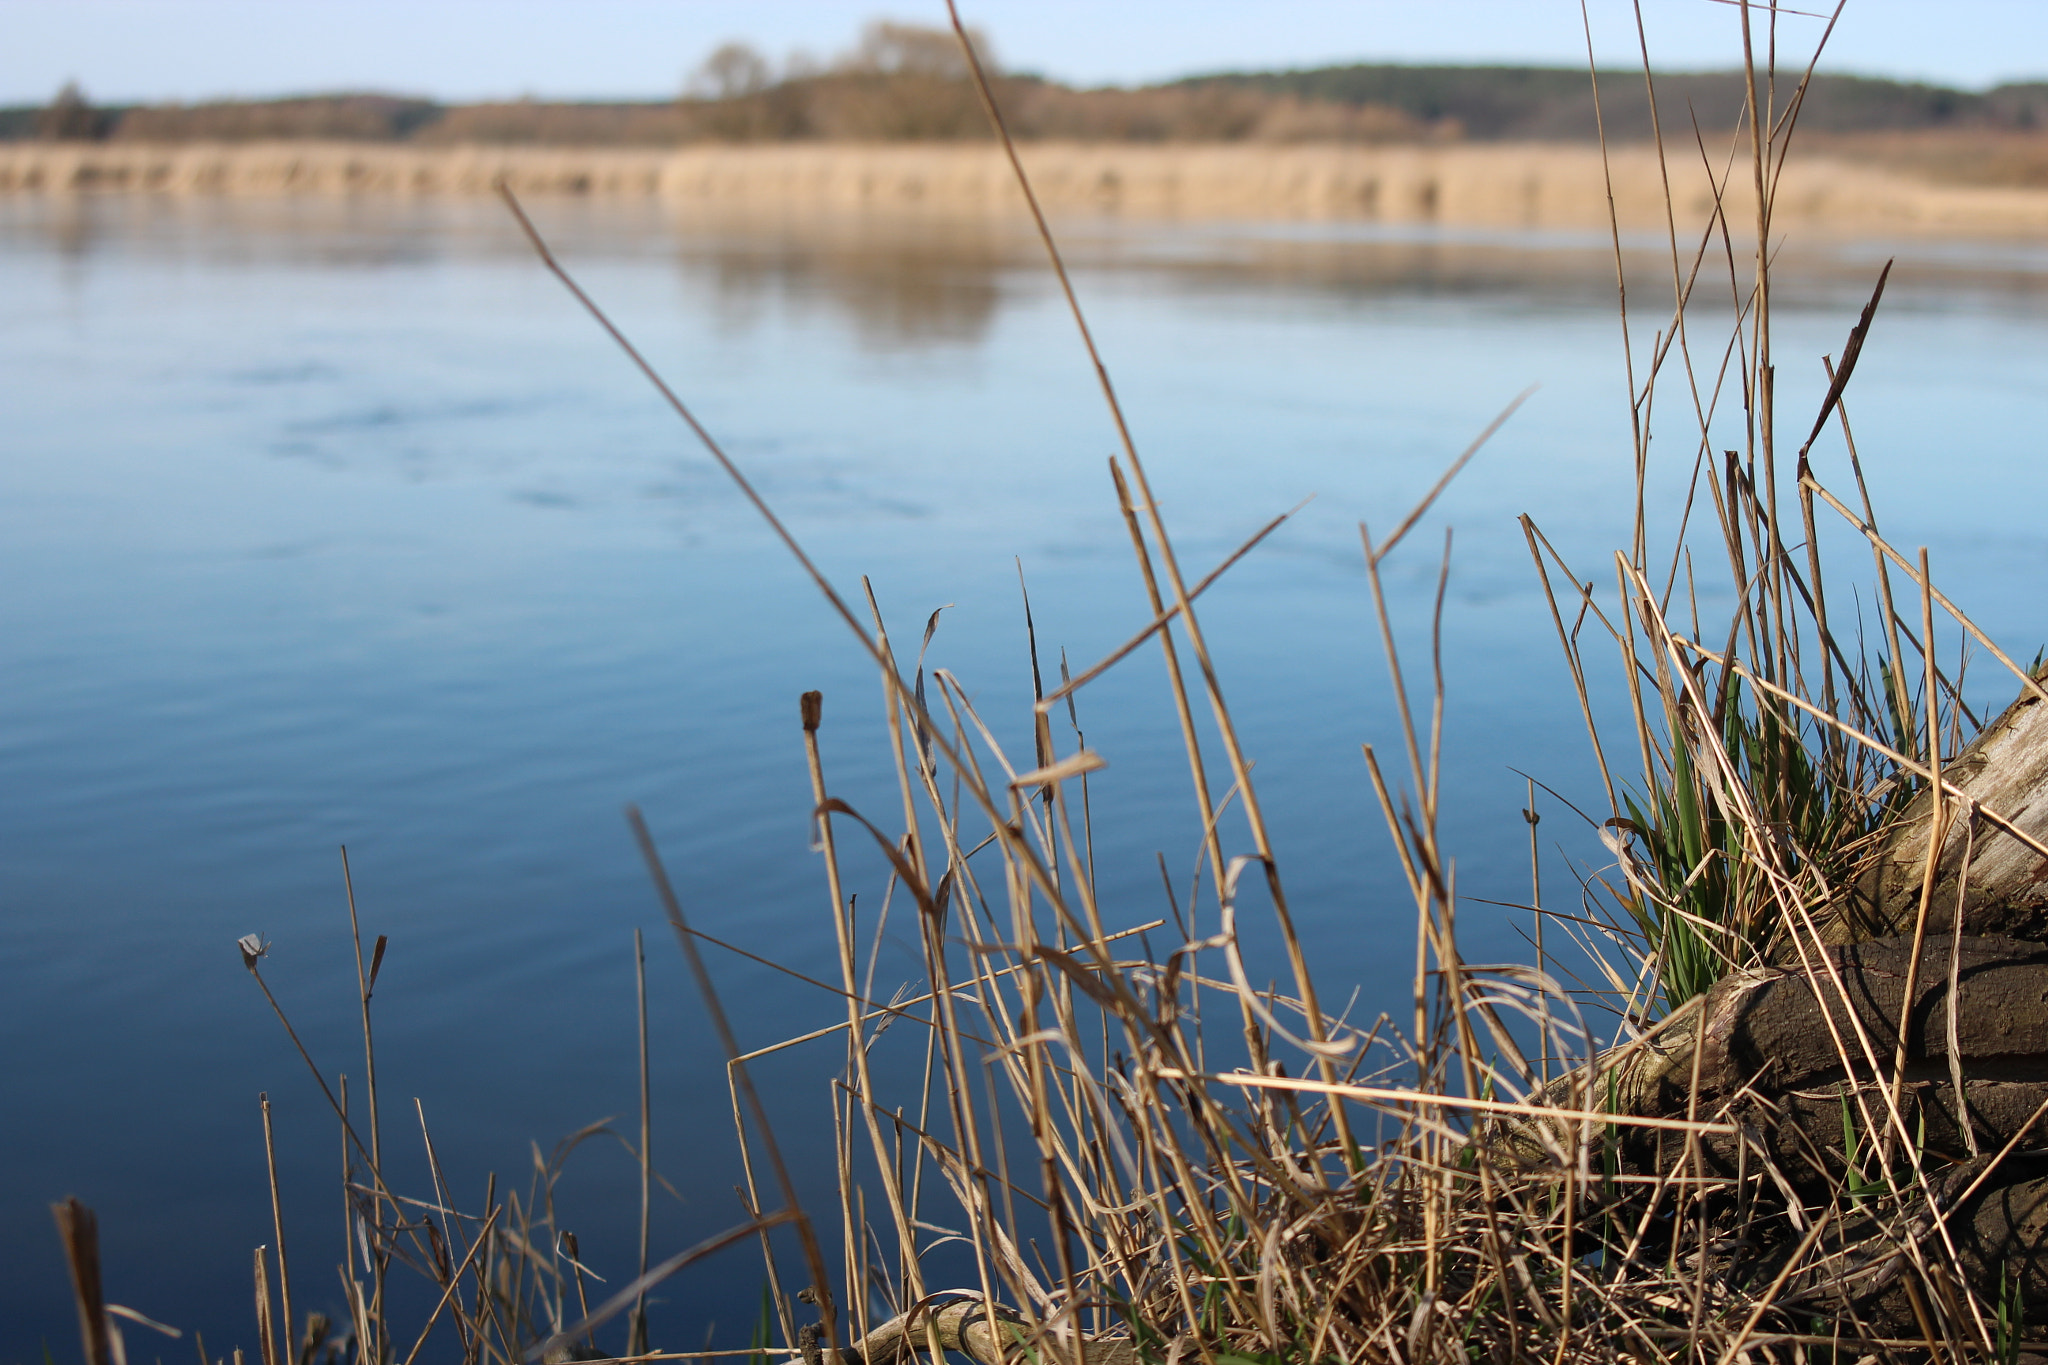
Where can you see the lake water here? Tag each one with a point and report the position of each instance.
(331, 525)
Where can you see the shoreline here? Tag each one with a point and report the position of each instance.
(1471, 185)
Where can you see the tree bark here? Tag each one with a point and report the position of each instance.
(2004, 889)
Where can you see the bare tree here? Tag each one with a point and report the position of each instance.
(888, 48)
(733, 71)
(70, 118)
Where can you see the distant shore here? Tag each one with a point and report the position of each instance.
(1548, 186)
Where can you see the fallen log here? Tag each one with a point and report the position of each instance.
(2003, 882)
(1998, 882)
(1786, 1051)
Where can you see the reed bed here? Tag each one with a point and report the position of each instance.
(1508, 186)
(1133, 1155)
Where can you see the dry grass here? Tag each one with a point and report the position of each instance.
(1493, 185)
(1146, 1157)
(2014, 159)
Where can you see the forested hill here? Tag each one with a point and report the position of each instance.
(1511, 103)
(909, 84)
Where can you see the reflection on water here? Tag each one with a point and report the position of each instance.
(936, 278)
(69, 225)
(901, 284)
(333, 521)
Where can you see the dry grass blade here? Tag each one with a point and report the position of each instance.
(1415, 514)
(628, 1295)
(1240, 768)
(266, 1333)
(637, 1337)
(1432, 1100)
(1850, 351)
(1159, 622)
(1990, 814)
(79, 1230)
(1073, 765)
(284, 1278)
(454, 1283)
(813, 1255)
(366, 983)
(901, 692)
(2026, 679)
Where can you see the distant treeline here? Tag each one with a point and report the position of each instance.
(905, 83)
(1555, 104)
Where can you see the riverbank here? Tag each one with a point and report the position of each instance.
(1488, 185)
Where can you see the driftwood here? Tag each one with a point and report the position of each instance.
(2002, 1230)
(1765, 1047)
(2006, 896)
(2005, 770)
(1763, 1050)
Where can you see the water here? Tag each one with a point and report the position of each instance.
(339, 525)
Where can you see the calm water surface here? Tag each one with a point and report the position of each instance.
(339, 525)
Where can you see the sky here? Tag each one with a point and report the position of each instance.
(124, 51)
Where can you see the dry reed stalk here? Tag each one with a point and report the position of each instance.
(637, 1334)
(366, 982)
(266, 1334)
(454, 1283)
(79, 1230)
(284, 1279)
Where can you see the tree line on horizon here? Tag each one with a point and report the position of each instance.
(903, 82)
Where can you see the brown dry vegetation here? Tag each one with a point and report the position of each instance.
(2016, 158)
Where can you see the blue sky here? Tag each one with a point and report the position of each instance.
(123, 50)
